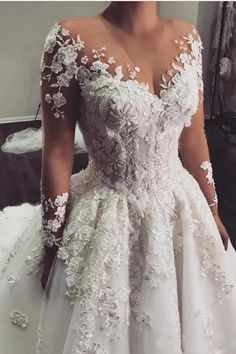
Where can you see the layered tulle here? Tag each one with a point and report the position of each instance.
(134, 275)
(20, 290)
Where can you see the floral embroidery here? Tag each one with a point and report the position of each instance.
(131, 206)
(36, 257)
(97, 348)
(111, 60)
(195, 58)
(210, 266)
(50, 226)
(144, 319)
(39, 340)
(62, 69)
(67, 58)
(19, 319)
(12, 279)
(206, 166)
(133, 72)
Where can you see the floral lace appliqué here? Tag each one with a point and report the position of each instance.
(63, 67)
(66, 64)
(19, 319)
(13, 279)
(206, 166)
(53, 217)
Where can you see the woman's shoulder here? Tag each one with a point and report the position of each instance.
(184, 28)
(181, 28)
(184, 32)
(77, 25)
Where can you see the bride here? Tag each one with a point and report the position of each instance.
(129, 255)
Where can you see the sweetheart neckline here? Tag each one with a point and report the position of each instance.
(143, 84)
(65, 64)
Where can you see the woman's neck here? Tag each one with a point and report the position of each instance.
(135, 17)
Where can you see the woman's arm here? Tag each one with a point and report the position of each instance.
(195, 156)
(194, 151)
(59, 100)
(193, 146)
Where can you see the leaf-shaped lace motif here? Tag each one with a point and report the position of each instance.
(65, 63)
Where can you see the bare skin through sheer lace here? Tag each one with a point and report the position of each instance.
(168, 53)
(77, 56)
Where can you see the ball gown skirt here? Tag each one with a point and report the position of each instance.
(136, 275)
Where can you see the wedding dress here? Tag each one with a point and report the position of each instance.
(141, 267)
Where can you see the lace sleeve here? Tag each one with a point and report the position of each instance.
(193, 143)
(206, 166)
(199, 65)
(59, 99)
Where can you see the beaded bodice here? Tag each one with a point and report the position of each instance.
(131, 134)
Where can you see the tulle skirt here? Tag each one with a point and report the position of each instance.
(133, 276)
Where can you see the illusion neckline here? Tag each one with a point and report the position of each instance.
(171, 83)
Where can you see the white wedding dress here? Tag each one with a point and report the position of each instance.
(141, 268)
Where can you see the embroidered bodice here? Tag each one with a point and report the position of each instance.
(131, 134)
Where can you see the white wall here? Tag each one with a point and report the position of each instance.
(23, 28)
(183, 10)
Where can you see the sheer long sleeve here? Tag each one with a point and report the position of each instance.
(59, 100)
(193, 145)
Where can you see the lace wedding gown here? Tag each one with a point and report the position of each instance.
(141, 267)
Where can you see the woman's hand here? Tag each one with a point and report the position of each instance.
(222, 230)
